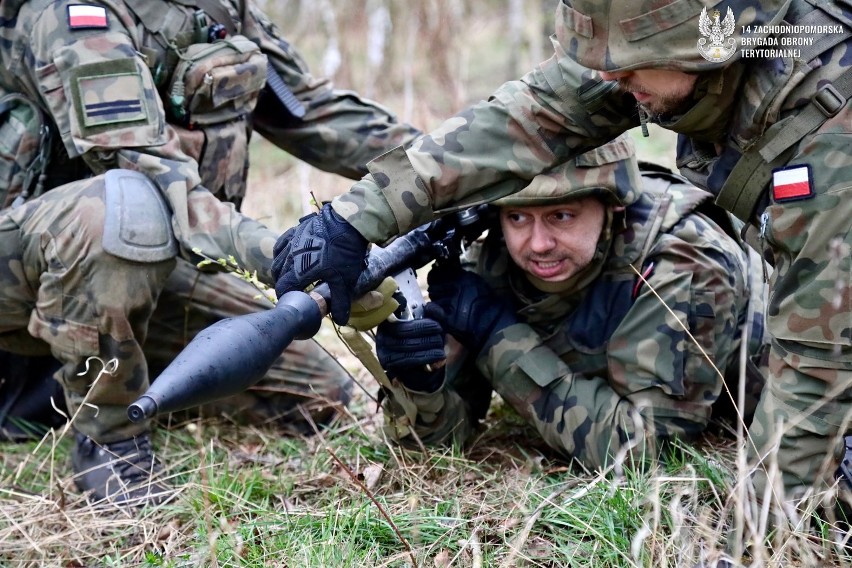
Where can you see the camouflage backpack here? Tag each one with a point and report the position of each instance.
(24, 145)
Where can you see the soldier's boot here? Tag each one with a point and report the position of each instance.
(124, 472)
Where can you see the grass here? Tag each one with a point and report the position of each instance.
(247, 496)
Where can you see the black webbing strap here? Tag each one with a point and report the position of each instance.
(274, 81)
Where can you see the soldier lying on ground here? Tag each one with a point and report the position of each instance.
(124, 128)
(554, 317)
(766, 131)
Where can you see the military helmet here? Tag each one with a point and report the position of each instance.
(610, 172)
(621, 35)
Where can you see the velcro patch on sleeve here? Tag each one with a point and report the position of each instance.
(792, 183)
(85, 16)
(108, 93)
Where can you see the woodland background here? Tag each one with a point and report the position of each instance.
(423, 60)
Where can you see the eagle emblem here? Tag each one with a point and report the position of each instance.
(716, 46)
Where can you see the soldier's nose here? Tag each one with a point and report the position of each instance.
(613, 75)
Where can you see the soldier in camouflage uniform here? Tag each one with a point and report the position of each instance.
(767, 134)
(588, 354)
(124, 130)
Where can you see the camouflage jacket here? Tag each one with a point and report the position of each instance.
(561, 109)
(143, 86)
(604, 368)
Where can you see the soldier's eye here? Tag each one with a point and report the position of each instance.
(563, 216)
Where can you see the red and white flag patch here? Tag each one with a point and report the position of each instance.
(792, 183)
(86, 16)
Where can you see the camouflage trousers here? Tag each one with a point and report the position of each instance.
(806, 406)
(61, 293)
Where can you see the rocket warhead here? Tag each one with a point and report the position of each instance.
(229, 356)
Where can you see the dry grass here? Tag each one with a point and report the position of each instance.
(248, 496)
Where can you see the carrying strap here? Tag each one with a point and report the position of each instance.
(364, 352)
(751, 175)
(283, 92)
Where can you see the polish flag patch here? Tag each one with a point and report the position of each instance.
(790, 184)
(81, 16)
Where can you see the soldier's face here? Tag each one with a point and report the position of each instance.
(553, 242)
(659, 91)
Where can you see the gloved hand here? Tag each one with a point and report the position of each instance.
(413, 352)
(323, 246)
(466, 306)
(374, 307)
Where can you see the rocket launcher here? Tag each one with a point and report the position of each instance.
(235, 353)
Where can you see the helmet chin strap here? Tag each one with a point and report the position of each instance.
(643, 120)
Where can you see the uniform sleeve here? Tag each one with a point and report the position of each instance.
(440, 418)
(660, 384)
(340, 131)
(101, 96)
(487, 151)
(579, 415)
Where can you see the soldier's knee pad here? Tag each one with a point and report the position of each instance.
(137, 225)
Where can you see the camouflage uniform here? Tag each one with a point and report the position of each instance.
(562, 108)
(600, 368)
(122, 85)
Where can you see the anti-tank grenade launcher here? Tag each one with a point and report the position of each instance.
(233, 354)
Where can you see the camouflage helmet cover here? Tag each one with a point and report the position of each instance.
(621, 35)
(610, 172)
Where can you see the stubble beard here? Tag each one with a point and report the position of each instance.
(663, 103)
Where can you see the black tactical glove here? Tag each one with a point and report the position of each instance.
(413, 352)
(466, 306)
(323, 246)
